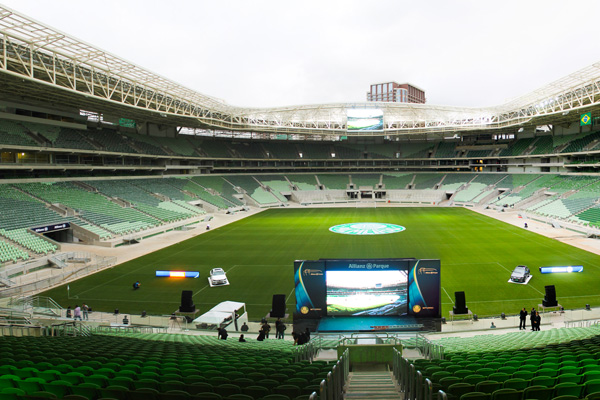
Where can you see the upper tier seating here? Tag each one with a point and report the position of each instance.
(446, 150)
(247, 149)
(281, 150)
(14, 133)
(517, 148)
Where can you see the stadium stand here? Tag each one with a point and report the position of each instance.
(280, 150)
(426, 181)
(8, 252)
(93, 207)
(360, 180)
(303, 182)
(517, 148)
(553, 363)
(315, 151)
(155, 366)
(454, 181)
(445, 150)
(253, 189)
(14, 133)
(395, 180)
(247, 149)
(334, 181)
(220, 186)
(277, 184)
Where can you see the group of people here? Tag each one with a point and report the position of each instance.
(79, 313)
(265, 329)
(534, 318)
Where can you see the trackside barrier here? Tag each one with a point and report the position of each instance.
(332, 388)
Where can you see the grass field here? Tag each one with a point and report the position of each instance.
(477, 254)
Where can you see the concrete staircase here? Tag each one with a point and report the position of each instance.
(371, 385)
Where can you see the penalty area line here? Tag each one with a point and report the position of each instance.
(447, 294)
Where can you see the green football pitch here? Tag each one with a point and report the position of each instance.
(477, 255)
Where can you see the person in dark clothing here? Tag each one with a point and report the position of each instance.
(261, 335)
(69, 312)
(244, 328)
(532, 318)
(302, 339)
(538, 321)
(222, 333)
(266, 328)
(241, 339)
(136, 285)
(307, 334)
(280, 330)
(523, 319)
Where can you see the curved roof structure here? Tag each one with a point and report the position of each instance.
(55, 67)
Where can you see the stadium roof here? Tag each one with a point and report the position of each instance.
(40, 62)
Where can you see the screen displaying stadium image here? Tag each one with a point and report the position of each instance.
(365, 120)
(367, 293)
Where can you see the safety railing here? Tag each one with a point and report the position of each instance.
(305, 352)
(410, 380)
(332, 388)
(429, 349)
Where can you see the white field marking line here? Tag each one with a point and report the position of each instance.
(204, 287)
(528, 285)
(447, 295)
(232, 267)
(289, 295)
(214, 236)
(483, 218)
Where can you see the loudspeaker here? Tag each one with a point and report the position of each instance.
(460, 306)
(550, 298)
(187, 304)
(278, 306)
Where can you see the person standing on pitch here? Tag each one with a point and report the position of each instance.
(532, 319)
(523, 319)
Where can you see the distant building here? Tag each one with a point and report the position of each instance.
(396, 92)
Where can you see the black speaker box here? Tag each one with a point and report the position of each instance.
(187, 304)
(460, 306)
(278, 306)
(550, 298)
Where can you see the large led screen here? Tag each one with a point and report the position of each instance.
(357, 287)
(365, 119)
(366, 292)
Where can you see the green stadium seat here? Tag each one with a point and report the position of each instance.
(456, 390)
(568, 389)
(507, 394)
(476, 396)
(488, 386)
(538, 392)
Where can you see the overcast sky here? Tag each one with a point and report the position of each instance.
(278, 53)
